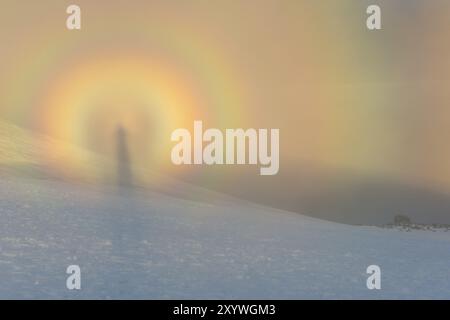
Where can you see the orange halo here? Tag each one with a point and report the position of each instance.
(150, 98)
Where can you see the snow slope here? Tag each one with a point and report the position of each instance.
(141, 244)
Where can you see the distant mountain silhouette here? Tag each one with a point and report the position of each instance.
(339, 196)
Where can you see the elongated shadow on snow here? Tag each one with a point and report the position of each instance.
(124, 171)
(127, 232)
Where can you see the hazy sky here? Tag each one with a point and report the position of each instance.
(342, 96)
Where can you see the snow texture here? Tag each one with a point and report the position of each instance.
(148, 245)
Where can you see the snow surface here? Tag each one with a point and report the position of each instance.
(148, 245)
